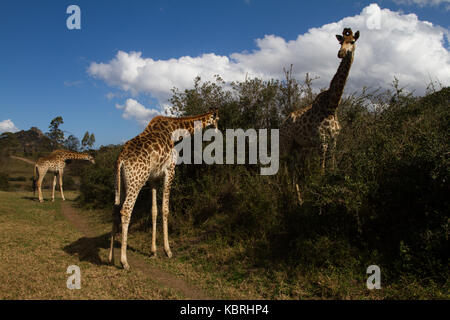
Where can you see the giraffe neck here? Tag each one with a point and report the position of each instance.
(338, 82)
(186, 123)
(189, 124)
(72, 155)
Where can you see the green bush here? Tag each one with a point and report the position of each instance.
(385, 203)
(69, 183)
(97, 181)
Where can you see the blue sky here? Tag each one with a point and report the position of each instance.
(45, 68)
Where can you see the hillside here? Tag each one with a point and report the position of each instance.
(25, 143)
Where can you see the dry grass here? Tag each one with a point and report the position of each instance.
(34, 259)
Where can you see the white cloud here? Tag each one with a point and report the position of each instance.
(412, 50)
(115, 95)
(134, 110)
(7, 126)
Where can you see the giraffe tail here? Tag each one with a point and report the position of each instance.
(35, 176)
(118, 182)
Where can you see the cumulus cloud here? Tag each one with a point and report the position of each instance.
(391, 44)
(134, 110)
(7, 126)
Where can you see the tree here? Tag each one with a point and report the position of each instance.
(72, 143)
(55, 134)
(91, 140)
(88, 140)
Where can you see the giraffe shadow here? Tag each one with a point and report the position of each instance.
(88, 248)
(36, 199)
(30, 198)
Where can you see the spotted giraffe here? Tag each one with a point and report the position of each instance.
(55, 162)
(149, 156)
(317, 126)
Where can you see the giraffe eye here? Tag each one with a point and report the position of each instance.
(352, 42)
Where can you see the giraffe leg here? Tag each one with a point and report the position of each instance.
(324, 153)
(125, 213)
(115, 229)
(53, 188)
(39, 185)
(154, 215)
(123, 254)
(165, 207)
(299, 194)
(295, 184)
(61, 184)
(333, 154)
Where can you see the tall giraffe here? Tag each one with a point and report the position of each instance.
(55, 162)
(317, 126)
(149, 156)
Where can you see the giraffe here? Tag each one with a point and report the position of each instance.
(149, 156)
(55, 162)
(317, 126)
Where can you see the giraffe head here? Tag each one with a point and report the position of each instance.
(91, 159)
(347, 41)
(213, 118)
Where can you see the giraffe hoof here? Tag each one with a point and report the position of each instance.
(41, 201)
(126, 266)
(169, 254)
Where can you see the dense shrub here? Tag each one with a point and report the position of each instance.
(97, 181)
(385, 203)
(69, 183)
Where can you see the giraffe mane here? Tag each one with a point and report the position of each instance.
(176, 119)
(183, 118)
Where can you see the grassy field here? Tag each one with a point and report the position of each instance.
(34, 254)
(19, 173)
(38, 244)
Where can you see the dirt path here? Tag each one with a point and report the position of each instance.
(160, 276)
(23, 159)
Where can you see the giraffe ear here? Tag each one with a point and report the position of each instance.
(356, 36)
(339, 38)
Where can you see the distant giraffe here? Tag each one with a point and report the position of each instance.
(55, 162)
(317, 125)
(149, 156)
